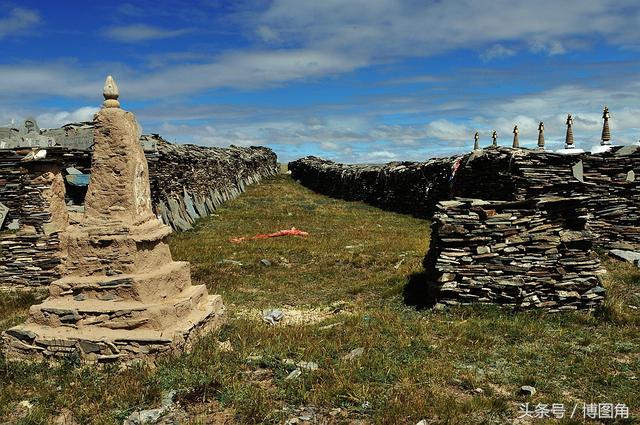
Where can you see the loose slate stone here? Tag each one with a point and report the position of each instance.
(632, 257)
(21, 334)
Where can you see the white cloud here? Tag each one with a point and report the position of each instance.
(392, 28)
(60, 118)
(267, 34)
(18, 21)
(551, 48)
(497, 51)
(141, 32)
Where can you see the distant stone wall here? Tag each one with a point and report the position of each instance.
(187, 182)
(534, 253)
(405, 187)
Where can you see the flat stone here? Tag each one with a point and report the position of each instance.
(632, 257)
(89, 347)
(21, 334)
(527, 390)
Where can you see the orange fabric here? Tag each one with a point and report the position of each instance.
(291, 232)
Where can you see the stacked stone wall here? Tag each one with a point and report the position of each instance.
(607, 180)
(534, 253)
(511, 226)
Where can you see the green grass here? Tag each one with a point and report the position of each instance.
(416, 364)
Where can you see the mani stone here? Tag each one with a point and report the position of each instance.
(149, 308)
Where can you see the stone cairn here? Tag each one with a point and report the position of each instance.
(476, 142)
(122, 296)
(494, 139)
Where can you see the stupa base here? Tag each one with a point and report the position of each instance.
(33, 341)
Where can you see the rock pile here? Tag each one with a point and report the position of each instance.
(533, 253)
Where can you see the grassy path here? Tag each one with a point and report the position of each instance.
(377, 360)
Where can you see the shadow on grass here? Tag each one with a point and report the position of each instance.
(420, 292)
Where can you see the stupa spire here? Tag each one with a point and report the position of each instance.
(606, 132)
(541, 136)
(568, 141)
(111, 93)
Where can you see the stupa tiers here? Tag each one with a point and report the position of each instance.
(122, 296)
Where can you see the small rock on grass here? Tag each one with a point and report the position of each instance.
(225, 346)
(356, 352)
(272, 316)
(293, 375)
(265, 262)
(301, 365)
(527, 390)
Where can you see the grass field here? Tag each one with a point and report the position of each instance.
(378, 360)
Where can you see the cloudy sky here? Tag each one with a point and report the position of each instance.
(350, 80)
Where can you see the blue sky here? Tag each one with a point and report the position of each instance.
(354, 81)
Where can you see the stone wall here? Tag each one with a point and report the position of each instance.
(533, 253)
(511, 226)
(29, 244)
(188, 182)
(405, 187)
(193, 180)
(608, 180)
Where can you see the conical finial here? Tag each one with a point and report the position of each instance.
(541, 136)
(110, 93)
(568, 141)
(516, 140)
(606, 133)
(494, 139)
(476, 143)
